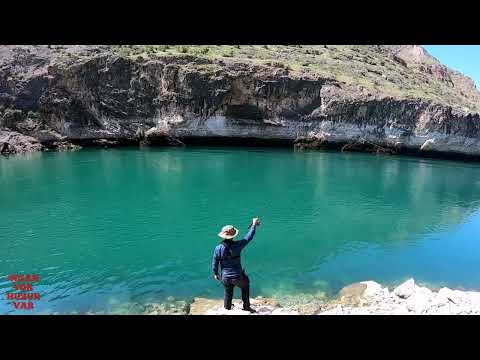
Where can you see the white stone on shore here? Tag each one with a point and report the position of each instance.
(335, 311)
(406, 289)
(475, 301)
(425, 291)
(408, 298)
(267, 310)
(359, 311)
(454, 296)
(441, 299)
(364, 298)
(440, 310)
(282, 311)
(373, 289)
(263, 306)
(400, 310)
(418, 302)
(223, 311)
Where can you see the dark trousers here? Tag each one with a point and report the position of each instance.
(243, 282)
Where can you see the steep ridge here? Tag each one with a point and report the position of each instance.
(360, 98)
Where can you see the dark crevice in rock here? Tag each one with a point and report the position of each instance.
(235, 141)
(246, 111)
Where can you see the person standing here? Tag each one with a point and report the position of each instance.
(227, 267)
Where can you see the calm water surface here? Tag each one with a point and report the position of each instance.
(110, 227)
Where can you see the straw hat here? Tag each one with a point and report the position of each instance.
(224, 234)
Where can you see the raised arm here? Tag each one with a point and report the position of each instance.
(250, 234)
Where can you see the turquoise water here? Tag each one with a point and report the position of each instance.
(110, 227)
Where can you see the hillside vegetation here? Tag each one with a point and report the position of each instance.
(399, 71)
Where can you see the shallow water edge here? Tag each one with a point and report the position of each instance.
(361, 298)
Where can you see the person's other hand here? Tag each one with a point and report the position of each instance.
(256, 221)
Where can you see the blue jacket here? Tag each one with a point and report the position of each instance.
(231, 266)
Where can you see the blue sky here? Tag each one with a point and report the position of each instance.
(464, 58)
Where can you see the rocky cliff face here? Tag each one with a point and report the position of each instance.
(395, 98)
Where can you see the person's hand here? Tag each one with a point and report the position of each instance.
(216, 277)
(256, 221)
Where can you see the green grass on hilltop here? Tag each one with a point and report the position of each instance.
(368, 66)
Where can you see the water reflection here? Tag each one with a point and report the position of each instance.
(140, 226)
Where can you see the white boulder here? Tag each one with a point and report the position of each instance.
(406, 289)
(455, 296)
(400, 310)
(425, 291)
(419, 302)
(474, 298)
(373, 289)
(443, 309)
(386, 293)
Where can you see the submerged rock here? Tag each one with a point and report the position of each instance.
(304, 303)
(171, 307)
(352, 294)
(65, 146)
(362, 298)
(106, 143)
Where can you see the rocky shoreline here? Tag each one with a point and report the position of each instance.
(363, 298)
(370, 298)
(14, 143)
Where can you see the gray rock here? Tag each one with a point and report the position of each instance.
(65, 146)
(12, 142)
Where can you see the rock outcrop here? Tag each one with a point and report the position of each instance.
(363, 298)
(370, 298)
(12, 142)
(387, 99)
